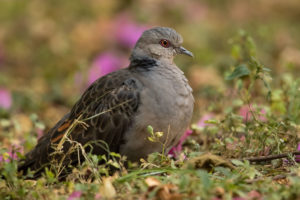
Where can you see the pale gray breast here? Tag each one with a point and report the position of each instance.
(167, 93)
(166, 104)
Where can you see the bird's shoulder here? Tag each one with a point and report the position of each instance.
(108, 90)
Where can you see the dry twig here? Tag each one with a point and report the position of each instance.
(272, 157)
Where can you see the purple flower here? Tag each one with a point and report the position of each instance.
(104, 64)
(11, 154)
(127, 31)
(178, 148)
(8, 156)
(5, 99)
(75, 195)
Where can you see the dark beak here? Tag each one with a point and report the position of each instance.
(181, 50)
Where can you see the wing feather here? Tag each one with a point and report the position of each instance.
(107, 107)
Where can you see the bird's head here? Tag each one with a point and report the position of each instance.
(161, 43)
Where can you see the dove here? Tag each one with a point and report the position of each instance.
(118, 107)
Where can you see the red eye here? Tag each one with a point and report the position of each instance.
(164, 43)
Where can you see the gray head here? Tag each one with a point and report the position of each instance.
(161, 43)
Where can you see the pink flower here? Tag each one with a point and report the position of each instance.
(201, 123)
(128, 31)
(178, 148)
(262, 115)
(5, 99)
(8, 156)
(245, 112)
(104, 64)
(40, 132)
(11, 154)
(243, 138)
(98, 196)
(75, 195)
(253, 194)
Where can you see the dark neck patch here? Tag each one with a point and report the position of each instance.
(143, 63)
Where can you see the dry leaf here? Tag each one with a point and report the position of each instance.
(208, 161)
(107, 189)
(168, 192)
(164, 192)
(152, 182)
(219, 191)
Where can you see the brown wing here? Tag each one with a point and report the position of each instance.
(107, 107)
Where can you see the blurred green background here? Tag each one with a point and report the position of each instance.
(51, 50)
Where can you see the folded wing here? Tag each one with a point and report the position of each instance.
(105, 112)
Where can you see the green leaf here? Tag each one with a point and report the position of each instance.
(211, 121)
(239, 71)
(236, 51)
(237, 162)
(103, 157)
(114, 164)
(115, 154)
(267, 69)
(150, 129)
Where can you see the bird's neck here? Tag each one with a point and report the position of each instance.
(139, 54)
(142, 63)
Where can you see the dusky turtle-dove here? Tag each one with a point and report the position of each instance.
(121, 105)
